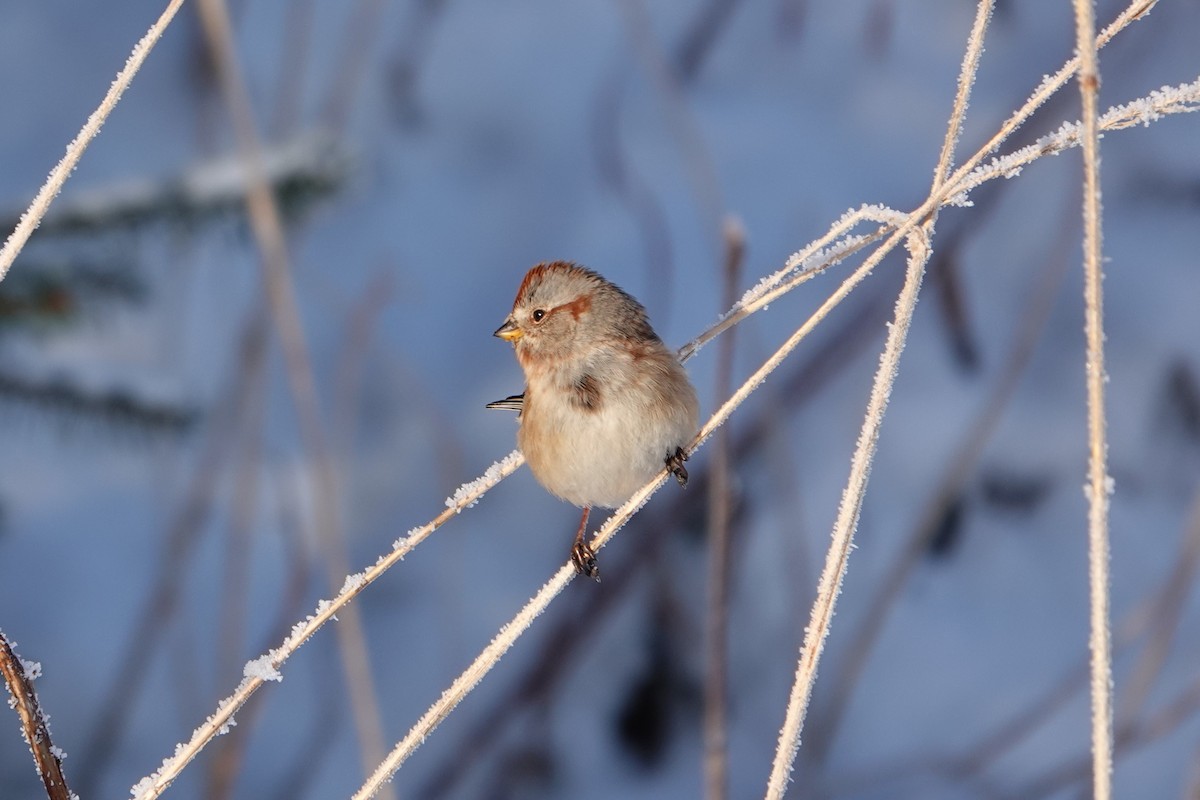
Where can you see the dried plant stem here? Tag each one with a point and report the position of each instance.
(966, 79)
(24, 700)
(959, 467)
(267, 226)
(1100, 641)
(58, 176)
(846, 522)
(154, 785)
(720, 550)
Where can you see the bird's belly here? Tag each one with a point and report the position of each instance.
(594, 458)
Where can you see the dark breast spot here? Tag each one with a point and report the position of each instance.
(585, 393)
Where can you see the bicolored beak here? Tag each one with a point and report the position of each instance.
(509, 331)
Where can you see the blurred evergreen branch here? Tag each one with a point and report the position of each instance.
(300, 171)
(56, 291)
(119, 406)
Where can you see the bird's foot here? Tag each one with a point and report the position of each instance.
(675, 465)
(584, 559)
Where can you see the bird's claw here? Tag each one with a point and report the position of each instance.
(675, 465)
(584, 559)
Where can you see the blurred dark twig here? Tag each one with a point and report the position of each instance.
(720, 543)
(182, 534)
(701, 37)
(18, 677)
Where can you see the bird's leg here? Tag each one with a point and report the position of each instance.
(582, 555)
(675, 465)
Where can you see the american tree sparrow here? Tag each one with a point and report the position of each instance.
(606, 404)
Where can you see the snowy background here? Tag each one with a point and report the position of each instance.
(439, 150)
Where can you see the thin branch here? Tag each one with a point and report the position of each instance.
(716, 767)
(267, 225)
(19, 675)
(58, 176)
(846, 523)
(959, 467)
(966, 79)
(844, 526)
(1099, 487)
(1182, 99)
(266, 667)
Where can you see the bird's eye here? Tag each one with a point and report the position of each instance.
(539, 315)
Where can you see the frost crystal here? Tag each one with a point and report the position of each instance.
(32, 669)
(491, 477)
(262, 668)
(407, 538)
(353, 583)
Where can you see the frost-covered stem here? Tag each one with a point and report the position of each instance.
(847, 520)
(19, 680)
(813, 259)
(267, 226)
(58, 176)
(966, 79)
(1098, 481)
(1136, 10)
(154, 785)
(1182, 99)
(958, 469)
(720, 550)
(467, 681)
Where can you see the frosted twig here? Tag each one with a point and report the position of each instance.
(1100, 640)
(153, 785)
(267, 227)
(958, 470)
(1182, 99)
(58, 176)
(846, 523)
(808, 262)
(966, 79)
(18, 675)
(1049, 85)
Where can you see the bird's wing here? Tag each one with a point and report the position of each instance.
(514, 403)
